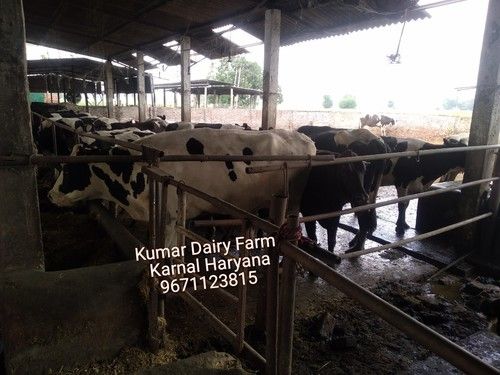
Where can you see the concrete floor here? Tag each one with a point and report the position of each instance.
(392, 264)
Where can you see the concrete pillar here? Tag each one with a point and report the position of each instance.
(175, 99)
(205, 95)
(185, 79)
(485, 127)
(141, 91)
(20, 233)
(231, 98)
(164, 97)
(271, 62)
(109, 88)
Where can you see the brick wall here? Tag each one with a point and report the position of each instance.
(432, 126)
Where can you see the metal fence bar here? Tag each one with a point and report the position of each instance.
(416, 238)
(277, 212)
(312, 161)
(443, 347)
(395, 200)
(223, 329)
(287, 307)
(242, 293)
(196, 237)
(222, 292)
(218, 223)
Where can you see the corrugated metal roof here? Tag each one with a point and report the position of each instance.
(116, 28)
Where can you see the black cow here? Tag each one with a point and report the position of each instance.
(412, 175)
(361, 142)
(328, 189)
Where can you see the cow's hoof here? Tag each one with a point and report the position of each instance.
(400, 231)
(354, 241)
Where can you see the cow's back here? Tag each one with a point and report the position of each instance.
(230, 180)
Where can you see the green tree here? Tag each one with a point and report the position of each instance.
(348, 102)
(327, 101)
(450, 103)
(239, 72)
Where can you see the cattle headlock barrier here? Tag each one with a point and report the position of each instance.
(279, 291)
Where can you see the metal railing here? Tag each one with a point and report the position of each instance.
(281, 294)
(279, 302)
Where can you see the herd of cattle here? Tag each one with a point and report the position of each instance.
(312, 191)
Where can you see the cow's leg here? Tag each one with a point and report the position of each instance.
(358, 242)
(401, 224)
(331, 226)
(311, 230)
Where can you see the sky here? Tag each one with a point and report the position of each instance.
(438, 54)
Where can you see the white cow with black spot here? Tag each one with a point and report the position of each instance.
(126, 185)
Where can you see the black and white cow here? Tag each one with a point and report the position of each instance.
(155, 124)
(376, 121)
(328, 189)
(361, 142)
(126, 135)
(411, 175)
(201, 125)
(125, 184)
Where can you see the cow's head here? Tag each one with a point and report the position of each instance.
(110, 181)
(348, 178)
(74, 181)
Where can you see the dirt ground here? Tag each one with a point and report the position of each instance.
(355, 342)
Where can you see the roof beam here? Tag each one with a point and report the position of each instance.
(136, 16)
(76, 33)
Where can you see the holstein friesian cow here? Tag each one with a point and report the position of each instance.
(328, 189)
(411, 175)
(461, 139)
(102, 126)
(127, 135)
(126, 185)
(376, 121)
(361, 142)
(201, 125)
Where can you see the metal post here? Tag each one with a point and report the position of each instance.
(242, 294)
(287, 308)
(277, 213)
(231, 98)
(109, 87)
(85, 93)
(271, 62)
(485, 119)
(205, 94)
(164, 97)
(488, 254)
(153, 95)
(181, 215)
(185, 79)
(20, 236)
(141, 92)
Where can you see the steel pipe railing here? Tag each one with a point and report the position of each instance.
(416, 238)
(309, 161)
(388, 202)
